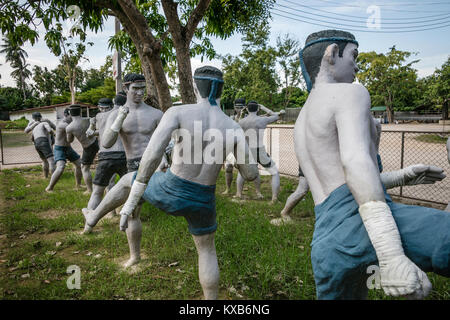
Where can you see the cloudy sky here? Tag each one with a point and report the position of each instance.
(424, 27)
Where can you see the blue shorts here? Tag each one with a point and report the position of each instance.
(342, 251)
(63, 153)
(180, 197)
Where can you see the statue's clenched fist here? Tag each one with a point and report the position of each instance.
(401, 277)
(123, 111)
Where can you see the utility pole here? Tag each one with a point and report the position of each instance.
(117, 64)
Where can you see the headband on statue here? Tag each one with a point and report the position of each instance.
(302, 63)
(128, 82)
(213, 92)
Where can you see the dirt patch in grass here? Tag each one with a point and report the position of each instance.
(52, 214)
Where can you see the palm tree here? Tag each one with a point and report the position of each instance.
(15, 55)
(21, 73)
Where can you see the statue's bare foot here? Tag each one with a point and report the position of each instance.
(87, 192)
(280, 221)
(131, 262)
(226, 192)
(48, 190)
(87, 228)
(237, 196)
(79, 187)
(259, 196)
(274, 201)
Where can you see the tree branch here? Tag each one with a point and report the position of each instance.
(140, 24)
(175, 28)
(195, 18)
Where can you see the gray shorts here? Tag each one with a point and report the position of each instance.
(43, 148)
(89, 153)
(133, 164)
(109, 163)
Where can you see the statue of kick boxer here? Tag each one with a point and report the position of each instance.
(134, 122)
(418, 174)
(357, 224)
(42, 138)
(187, 188)
(230, 161)
(64, 151)
(77, 129)
(255, 125)
(111, 161)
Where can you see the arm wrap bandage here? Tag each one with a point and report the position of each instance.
(136, 192)
(382, 230)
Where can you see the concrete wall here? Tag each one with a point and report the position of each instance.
(46, 113)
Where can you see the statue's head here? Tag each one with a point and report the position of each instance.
(252, 106)
(105, 104)
(36, 116)
(208, 83)
(67, 116)
(134, 87)
(239, 104)
(120, 99)
(75, 110)
(331, 52)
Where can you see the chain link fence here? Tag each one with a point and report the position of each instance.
(398, 149)
(16, 148)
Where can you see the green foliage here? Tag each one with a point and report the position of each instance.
(65, 97)
(15, 124)
(107, 90)
(252, 74)
(12, 99)
(437, 86)
(390, 81)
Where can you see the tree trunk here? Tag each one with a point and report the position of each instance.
(149, 51)
(160, 83)
(182, 37)
(445, 110)
(185, 74)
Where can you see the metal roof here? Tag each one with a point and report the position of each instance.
(90, 106)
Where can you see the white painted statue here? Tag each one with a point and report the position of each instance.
(41, 132)
(64, 151)
(134, 123)
(77, 129)
(357, 224)
(187, 188)
(254, 126)
(111, 161)
(417, 174)
(230, 161)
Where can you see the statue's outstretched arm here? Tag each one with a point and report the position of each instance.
(31, 126)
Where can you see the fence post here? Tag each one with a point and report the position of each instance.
(270, 141)
(1, 144)
(402, 156)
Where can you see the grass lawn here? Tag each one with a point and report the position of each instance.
(39, 239)
(432, 138)
(14, 139)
